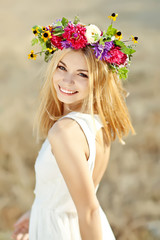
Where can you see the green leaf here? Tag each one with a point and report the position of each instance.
(47, 56)
(130, 51)
(106, 37)
(101, 42)
(124, 49)
(58, 30)
(43, 46)
(123, 72)
(112, 67)
(104, 34)
(111, 31)
(64, 21)
(34, 41)
(48, 44)
(58, 33)
(41, 40)
(96, 37)
(39, 28)
(35, 26)
(127, 51)
(76, 20)
(119, 43)
(59, 23)
(47, 53)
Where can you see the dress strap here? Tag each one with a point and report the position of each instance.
(86, 123)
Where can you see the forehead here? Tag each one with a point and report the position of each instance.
(75, 59)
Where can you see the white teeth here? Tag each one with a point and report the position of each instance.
(66, 91)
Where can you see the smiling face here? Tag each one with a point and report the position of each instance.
(71, 80)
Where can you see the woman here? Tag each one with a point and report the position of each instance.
(82, 110)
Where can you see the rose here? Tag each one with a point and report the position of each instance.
(93, 33)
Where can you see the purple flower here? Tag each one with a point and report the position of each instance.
(58, 26)
(58, 20)
(101, 51)
(66, 44)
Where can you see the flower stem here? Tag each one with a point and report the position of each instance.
(39, 52)
(127, 41)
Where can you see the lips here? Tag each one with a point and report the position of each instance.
(66, 91)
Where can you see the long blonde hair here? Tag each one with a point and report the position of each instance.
(106, 98)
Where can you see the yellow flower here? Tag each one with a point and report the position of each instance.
(46, 35)
(113, 16)
(134, 39)
(118, 35)
(44, 29)
(35, 31)
(32, 55)
(51, 50)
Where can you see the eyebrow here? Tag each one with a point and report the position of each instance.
(79, 70)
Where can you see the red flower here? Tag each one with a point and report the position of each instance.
(56, 41)
(115, 56)
(75, 35)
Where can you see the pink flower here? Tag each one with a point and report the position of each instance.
(56, 41)
(75, 35)
(115, 56)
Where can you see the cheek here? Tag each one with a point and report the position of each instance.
(58, 76)
(55, 78)
(84, 86)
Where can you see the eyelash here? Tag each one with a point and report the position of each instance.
(83, 75)
(61, 68)
(64, 69)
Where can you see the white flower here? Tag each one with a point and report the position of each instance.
(92, 33)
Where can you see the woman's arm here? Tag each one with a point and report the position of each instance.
(21, 227)
(67, 142)
(90, 226)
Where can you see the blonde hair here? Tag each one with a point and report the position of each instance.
(106, 98)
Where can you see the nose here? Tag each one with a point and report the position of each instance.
(68, 79)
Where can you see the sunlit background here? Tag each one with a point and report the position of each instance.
(130, 190)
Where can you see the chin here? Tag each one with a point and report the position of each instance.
(66, 101)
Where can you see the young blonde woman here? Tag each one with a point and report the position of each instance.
(81, 112)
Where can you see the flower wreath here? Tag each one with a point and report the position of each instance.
(107, 45)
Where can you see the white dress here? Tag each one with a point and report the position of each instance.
(53, 213)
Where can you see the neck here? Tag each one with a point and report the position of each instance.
(67, 108)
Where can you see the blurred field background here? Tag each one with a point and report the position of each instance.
(130, 190)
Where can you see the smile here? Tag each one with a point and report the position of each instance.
(68, 92)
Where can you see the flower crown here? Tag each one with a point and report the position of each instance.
(107, 45)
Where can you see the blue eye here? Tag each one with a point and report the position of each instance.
(62, 68)
(83, 75)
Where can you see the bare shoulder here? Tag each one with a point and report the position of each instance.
(62, 126)
(68, 130)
